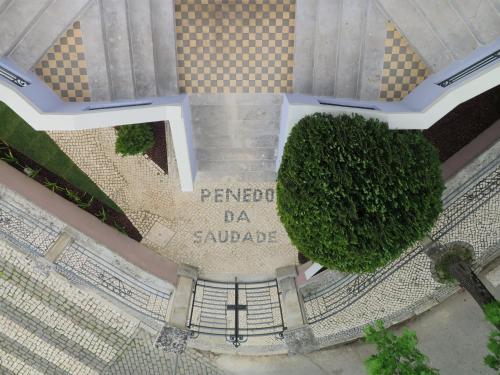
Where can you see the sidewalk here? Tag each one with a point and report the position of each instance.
(453, 335)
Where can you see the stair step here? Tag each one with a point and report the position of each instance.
(416, 28)
(231, 167)
(326, 46)
(3, 4)
(449, 26)
(245, 128)
(496, 4)
(141, 45)
(350, 45)
(219, 176)
(163, 28)
(481, 17)
(373, 54)
(305, 34)
(236, 154)
(217, 114)
(260, 141)
(53, 22)
(16, 18)
(95, 53)
(115, 22)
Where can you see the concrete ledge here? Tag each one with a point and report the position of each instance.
(89, 225)
(472, 150)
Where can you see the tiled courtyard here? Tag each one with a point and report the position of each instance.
(222, 47)
(235, 46)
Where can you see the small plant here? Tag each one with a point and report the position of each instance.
(87, 204)
(119, 227)
(10, 158)
(51, 185)
(396, 355)
(30, 172)
(134, 139)
(103, 215)
(72, 195)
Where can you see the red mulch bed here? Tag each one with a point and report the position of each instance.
(116, 219)
(464, 123)
(158, 153)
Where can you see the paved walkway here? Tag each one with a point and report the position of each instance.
(453, 335)
(222, 48)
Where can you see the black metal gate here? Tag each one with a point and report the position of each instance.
(236, 310)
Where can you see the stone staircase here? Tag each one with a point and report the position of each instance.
(236, 136)
(339, 48)
(340, 43)
(129, 44)
(130, 48)
(29, 28)
(442, 31)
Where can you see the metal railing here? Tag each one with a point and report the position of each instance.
(470, 69)
(35, 236)
(81, 265)
(458, 205)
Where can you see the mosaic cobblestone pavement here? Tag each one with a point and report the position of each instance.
(403, 69)
(64, 69)
(185, 227)
(227, 46)
(50, 326)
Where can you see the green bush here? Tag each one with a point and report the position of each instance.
(492, 313)
(134, 139)
(455, 253)
(353, 194)
(396, 355)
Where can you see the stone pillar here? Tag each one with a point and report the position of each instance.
(173, 337)
(298, 335)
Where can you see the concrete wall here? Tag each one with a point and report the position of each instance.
(44, 110)
(419, 110)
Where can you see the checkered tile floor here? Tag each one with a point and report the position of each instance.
(235, 46)
(64, 69)
(403, 68)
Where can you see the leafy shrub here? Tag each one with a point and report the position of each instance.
(396, 355)
(493, 359)
(454, 254)
(134, 139)
(353, 194)
(492, 313)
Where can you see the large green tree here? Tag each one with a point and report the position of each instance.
(352, 194)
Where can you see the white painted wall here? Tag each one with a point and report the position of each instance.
(40, 107)
(419, 110)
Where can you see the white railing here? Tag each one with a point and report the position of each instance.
(40, 107)
(424, 106)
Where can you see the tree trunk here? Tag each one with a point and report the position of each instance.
(463, 273)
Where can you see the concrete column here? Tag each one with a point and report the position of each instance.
(298, 335)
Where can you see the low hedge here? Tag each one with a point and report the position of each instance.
(352, 194)
(134, 139)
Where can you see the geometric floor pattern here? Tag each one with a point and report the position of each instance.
(403, 68)
(64, 69)
(227, 46)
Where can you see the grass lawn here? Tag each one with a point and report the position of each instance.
(40, 148)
